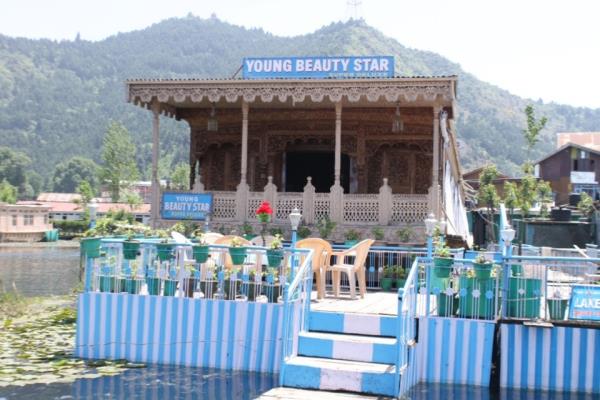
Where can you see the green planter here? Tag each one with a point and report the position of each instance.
(91, 247)
(274, 257)
(442, 267)
(516, 270)
(482, 271)
(400, 283)
(121, 285)
(557, 308)
(524, 297)
(107, 283)
(386, 283)
(153, 286)
(231, 288)
(350, 243)
(170, 287)
(249, 289)
(130, 249)
(200, 253)
(209, 288)
(238, 255)
(477, 307)
(133, 286)
(446, 305)
(164, 251)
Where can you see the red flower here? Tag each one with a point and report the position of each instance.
(265, 208)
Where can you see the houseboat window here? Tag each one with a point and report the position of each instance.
(14, 220)
(27, 219)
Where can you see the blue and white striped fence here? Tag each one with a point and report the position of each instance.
(221, 334)
(556, 359)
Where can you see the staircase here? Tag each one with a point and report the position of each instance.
(345, 352)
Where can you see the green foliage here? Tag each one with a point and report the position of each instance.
(325, 226)
(132, 199)
(180, 179)
(14, 167)
(70, 173)
(586, 205)
(8, 193)
(352, 234)
(303, 231)
(85, 190)
(71, 228)
(534, 127)
(377, 233)
(118, 156)
(247, 229)
(511, 196)
(404, 234)
(544, 196)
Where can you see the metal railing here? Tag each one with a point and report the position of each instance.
(542, 288)
(173, 269)
(408, 298)
(296, 305)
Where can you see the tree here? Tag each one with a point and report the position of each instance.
(86, 191)
(488, 196)
(132, 198)
(69, 174)
(534, 127)
(13, 168)
(511, 197)
(118, 156)
(180, 178)
(8, 193)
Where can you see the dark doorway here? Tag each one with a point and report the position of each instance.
(318, 165)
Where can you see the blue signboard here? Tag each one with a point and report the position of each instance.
(318, 67)
(189, 206)
(585, 302)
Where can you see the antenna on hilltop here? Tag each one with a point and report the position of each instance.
(353, 9)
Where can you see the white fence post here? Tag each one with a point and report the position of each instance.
(270, 194)
(241, 201)
(385, 203)
(308, 202)
(336, 203)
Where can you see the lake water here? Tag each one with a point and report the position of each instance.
(39, 271)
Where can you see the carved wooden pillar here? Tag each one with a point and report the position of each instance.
(244, 165)
(155, 206)
(436, 162)
(361, 163)
(338, 143)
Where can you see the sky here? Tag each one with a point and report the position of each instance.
(537, 49)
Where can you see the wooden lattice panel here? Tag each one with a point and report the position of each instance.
(409, 208)
(361, 208)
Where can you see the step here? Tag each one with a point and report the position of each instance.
(353, 323)
(283, 393)
(350, 376)
(347, 347)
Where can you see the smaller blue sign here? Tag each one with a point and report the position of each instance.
(585, 302)
(188, 206)
(318, 67)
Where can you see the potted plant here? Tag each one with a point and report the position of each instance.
(189, 282)
(130, 247)
(132, 283)
(325, 227)
(247, 231)
(200, 248)
(164, 248)
(352, 237)
(170, 284)
(90, 244)
(231, 283)
(388, 278)
(153, 282)
(303, 231)
(275, 252)
(474, 296)
(378, 234)
(400, 276)
(442, 261)
(482, 266)
(404, 235)
(264, 213)
(271, 289)
(523, 297)
(586, 207)
(557, 306)
(237, 251)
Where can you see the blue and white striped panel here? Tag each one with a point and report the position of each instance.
(345, 347)
(171, 330)
(556, 359)
(453, 350)
(359, 324)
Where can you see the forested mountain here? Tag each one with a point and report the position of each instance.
(58, 98)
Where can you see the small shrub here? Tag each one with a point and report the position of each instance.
(377, 233)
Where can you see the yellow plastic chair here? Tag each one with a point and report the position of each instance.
(322, 251)
(355, 270)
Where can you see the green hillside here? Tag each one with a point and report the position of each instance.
(57, 98)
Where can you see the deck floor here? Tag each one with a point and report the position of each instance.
(385, 303)
(286, 393)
